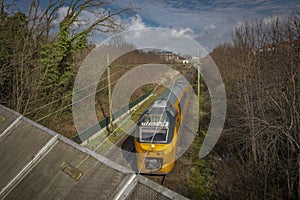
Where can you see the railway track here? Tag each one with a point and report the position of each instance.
(160, 179)
(127, 145)
(119, 147)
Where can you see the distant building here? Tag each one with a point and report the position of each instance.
(172, 57)
(167, 56)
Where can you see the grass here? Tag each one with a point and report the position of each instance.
(200, 174)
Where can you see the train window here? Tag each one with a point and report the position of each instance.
(154, 135)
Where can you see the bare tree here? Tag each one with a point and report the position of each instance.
(44, 25)
(261, 72)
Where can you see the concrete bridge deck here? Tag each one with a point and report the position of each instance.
(38, 163)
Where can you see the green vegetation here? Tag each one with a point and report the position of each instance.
(58, 57)
(200, 174)
(40, 53)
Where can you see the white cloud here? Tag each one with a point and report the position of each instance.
(135, 23)
(208, 22)
(187, 31)
(213, 20)
(85, 18)
(271, 19)
(62, 12)
(179, 32)
(210, 27)
(164, 39)
(238, 25)
(265, 20)
(208, 30)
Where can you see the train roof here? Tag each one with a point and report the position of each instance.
(161, 103)
(167, 100)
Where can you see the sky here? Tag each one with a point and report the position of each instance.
(209, 22)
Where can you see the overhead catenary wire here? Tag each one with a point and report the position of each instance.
(113, 132)
(64, 97)
(63, 108)
(48, 115)
(151, 142)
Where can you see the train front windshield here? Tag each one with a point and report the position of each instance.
(154, 135)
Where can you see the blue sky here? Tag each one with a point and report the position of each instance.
(209, 22)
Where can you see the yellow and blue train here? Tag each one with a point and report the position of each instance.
(158, 132)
